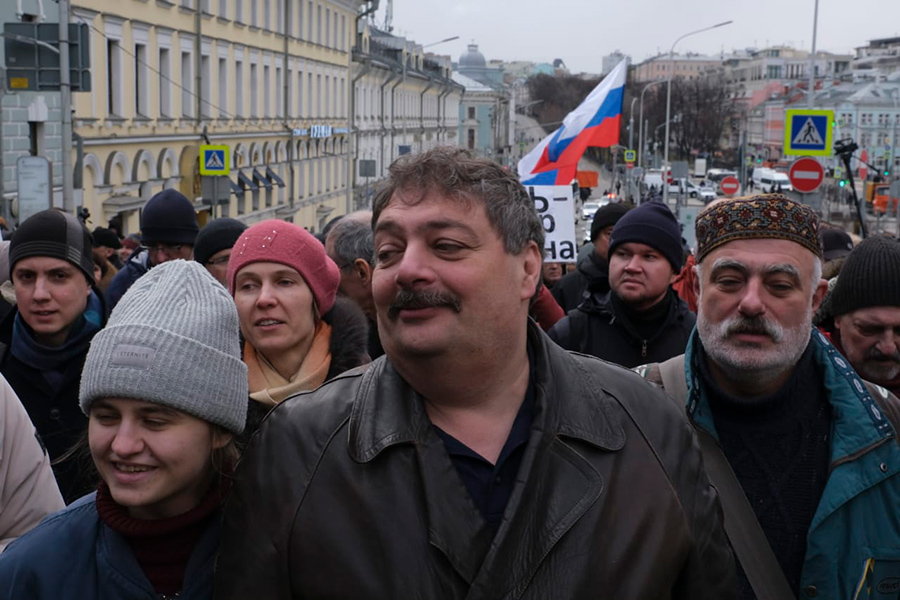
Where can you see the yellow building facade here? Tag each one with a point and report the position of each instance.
(269, 79)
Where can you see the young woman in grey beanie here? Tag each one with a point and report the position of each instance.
(165, 392)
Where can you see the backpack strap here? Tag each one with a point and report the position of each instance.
(741, 525)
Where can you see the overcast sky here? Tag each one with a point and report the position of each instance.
(581, 32)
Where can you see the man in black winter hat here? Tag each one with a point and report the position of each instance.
(108, 243)
(866, 305)
(640, 319)
(214, 244)
(169, 230)
(45, 339)
(593, 271)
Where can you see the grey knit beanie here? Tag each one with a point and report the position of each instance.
(173, 340)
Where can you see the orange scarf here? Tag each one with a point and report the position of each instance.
(267, 385)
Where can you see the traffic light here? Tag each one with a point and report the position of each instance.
(843, 182)
(759, 160)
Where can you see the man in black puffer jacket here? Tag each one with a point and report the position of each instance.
(640, 319)
(593, 271)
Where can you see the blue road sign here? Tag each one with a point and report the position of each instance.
(214, 160)
(808, 132)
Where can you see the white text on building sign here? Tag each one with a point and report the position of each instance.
(320, 131)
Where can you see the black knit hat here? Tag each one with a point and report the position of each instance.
(107, 238)
(606, 216)
(169, 218)
(55, 234)
(216, 235)
(836, 243)
(870, 277)
(653, 224)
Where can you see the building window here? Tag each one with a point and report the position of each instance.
(328, 27)
(343, 44)
(205, 83)
(471, 144)
(141, 75)
(253, 13)
(309, 96)
(309, 21)
(299, 93)
(239, 88)
(327, 105)
(223, 9)
(223, 88)
(114, 77)
(318, 24)
(267, 92)
(318, 95)
(187, 85)
(239, 11)
(279, 93)
(299, 18)
(254, 91)
(267, 15)
(165, 83)
(471, 112)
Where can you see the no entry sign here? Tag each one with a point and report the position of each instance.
(730, 185)
(806, 174)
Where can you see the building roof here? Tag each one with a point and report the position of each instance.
(470, 84)
(472, 58)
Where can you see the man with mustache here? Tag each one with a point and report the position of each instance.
(640, 319)
(476, 459)
(866, 305)
(811, 447)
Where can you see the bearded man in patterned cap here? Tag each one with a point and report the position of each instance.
(811, 446)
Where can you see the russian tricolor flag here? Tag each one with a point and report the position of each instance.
(594, 123)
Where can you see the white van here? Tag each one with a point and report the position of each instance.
(770, 180)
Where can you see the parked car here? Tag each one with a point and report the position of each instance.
(588, 210)
(705, 193)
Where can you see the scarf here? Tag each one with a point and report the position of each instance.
(268, 387)
(52, 360)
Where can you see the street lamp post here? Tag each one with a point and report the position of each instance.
(669, 99)
(641, 123)
(631, 126)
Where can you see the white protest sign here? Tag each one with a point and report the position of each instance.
(556, 208)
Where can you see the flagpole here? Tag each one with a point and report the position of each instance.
(669, 104)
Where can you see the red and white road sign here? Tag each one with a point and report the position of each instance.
(806, 174)
(730, 186)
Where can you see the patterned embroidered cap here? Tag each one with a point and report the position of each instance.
(763, 216)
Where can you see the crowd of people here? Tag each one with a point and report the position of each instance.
(414, 403)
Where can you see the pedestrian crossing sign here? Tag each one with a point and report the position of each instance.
(214, 160)
(808, 132)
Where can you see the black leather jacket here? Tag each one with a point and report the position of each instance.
(347, 492)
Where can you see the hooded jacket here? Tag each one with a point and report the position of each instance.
(599, 329)
(853, 544)
(348, 492)
(572, 289)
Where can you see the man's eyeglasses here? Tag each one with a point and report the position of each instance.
(166, 249)
(217, 262)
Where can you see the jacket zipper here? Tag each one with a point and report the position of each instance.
(858, 453)
(644, 348)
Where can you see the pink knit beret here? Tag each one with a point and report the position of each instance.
(287, 244)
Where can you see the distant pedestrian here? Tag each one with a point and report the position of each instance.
(618, 187)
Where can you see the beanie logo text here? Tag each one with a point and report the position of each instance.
(136, 357)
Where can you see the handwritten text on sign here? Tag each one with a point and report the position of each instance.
(556, 208)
